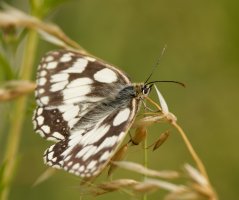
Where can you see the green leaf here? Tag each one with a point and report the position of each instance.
(6, 72)
(42, 8)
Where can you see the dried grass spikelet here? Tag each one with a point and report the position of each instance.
(44, 176)
(138, 168)
(198, 182)
(196, 189)
(115, 185)
(162, 138)
(12, 17)
(14, 89)
(139, 135)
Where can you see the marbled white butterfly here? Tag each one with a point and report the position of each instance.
(86, 107)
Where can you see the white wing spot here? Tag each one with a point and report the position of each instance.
(59, 77)
(40, 120)
(58, 136)
(46, 129)
(105, 76)
(39, 111)
(51, 148)
(67, 158)
(121, 117)
(78, 66)
(89, 153)
(65, 58)
(41, 91)
(58, 86)
(51, 65)
(83, 151)
(95, 135)
(43, 73)
(79, 82)
(68, 115)
(72, 122)
(82, 168)
(108, 142)
(92, 165)
(42, 81)
(75, 92)
(69, 163)
(50, 155)
(104, 156)
(76, 166)
(49, 58)
(45, 100)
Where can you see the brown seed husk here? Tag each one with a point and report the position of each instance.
(163, 137)
(140, 135)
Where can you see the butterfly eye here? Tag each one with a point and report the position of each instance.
(146, 90)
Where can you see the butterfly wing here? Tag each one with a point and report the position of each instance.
(86, 106)
(70, 84)
(67, 77)
(87, 151)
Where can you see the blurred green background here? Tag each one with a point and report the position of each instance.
(202, 40)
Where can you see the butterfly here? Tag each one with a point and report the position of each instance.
(86, 107)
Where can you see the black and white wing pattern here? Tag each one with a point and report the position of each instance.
(86, 106)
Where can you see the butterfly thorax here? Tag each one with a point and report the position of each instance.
(141, 90)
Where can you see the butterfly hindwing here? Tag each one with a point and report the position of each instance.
(87, 151)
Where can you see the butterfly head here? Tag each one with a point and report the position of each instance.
(142, 89)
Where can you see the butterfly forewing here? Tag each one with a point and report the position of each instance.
(84, 105)
(66, 77)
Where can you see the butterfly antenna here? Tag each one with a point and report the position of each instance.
(156, 64)
(177, 82)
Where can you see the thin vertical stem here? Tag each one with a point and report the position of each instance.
(145, 197)
(18, 116)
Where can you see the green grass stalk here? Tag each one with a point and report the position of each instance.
(18, 116)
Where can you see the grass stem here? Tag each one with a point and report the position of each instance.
(196, 158)
(18, 116)
(145, 197)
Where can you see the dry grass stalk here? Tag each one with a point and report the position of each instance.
(11, 17)
(14, 89)
(193, 189)
(145, 171)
